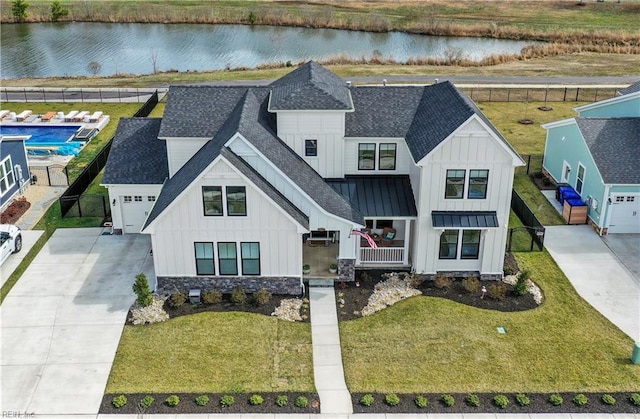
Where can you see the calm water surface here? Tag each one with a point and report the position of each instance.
(66, 49)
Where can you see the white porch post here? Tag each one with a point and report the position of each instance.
(357, 244)
(407, 236)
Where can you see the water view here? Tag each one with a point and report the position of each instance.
(68, 49)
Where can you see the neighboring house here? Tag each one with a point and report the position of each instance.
(597, 153)
(242, 181)
(14, 168)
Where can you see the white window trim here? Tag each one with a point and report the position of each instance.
(6, 174)
(584, 176)
(566, 172)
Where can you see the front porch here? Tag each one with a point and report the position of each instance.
(319, 258)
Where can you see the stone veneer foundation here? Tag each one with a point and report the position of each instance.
(346, 270)
(464, 274)
(275, 285)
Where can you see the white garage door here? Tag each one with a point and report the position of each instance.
(134, 211)
(625, 214)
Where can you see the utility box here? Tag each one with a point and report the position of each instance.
(194, 296)
(635, 355)
(574, 211)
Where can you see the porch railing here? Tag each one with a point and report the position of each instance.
(382, 255)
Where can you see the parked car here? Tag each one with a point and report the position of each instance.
(10, 241)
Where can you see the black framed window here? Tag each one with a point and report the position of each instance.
(384, 223)
(212, 200)
(470, 244)
(227, 259)
(387, 157)
(204, 258)
(449, 244)
(366, 156)
(478, 180)
(310, 148)
(454, 188)
(236, 200)
(250, 254)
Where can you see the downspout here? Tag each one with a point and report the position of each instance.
(607, 204)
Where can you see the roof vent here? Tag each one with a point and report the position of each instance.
(349, 83)
(384, 82)
(437, 81)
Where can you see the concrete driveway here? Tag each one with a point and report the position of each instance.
(598, 274)
(61, 323)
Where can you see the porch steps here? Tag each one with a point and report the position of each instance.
(321, 282)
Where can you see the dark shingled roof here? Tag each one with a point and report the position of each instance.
(378, 196)
(464, 219)
(615, 146)
(137, 156)
(310, 87)
(635, 87)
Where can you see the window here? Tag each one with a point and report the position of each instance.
(127, 199)
(204, 258)
(470, 244)
(151, 198)
(227, 259)
(387, 157)
(366, 156)
(449, 244)
(250, 253)
(580, 179)
(212, 200)
(619, 198)
(454, 188)
(631, 198)
(137, 198)
(236, 200)
(310, 148)
(6, 175)
(478, 180)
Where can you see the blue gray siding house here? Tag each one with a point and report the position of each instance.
(14, 168)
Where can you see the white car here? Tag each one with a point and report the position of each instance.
(10, 241)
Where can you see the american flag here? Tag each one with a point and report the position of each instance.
(365, 236)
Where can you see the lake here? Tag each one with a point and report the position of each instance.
(66, 49)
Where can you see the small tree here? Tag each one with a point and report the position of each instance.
(142, 290)
(19, 10)
(94, 67)
(57, 11)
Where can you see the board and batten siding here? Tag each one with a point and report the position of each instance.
(185, 223)
(180, 150)
(471, 148)
(404, 161)
(325, 127)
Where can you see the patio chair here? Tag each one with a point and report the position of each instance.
(388, 235)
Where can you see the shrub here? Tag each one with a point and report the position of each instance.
(523, 399)
(608, 399)
(635, 399)
(173, 400)
(501, 401)
(212, 297)
(448, 400)
(147, 401)
(473, 400)
(262, 297)
(521, 284)
(227, 401)
(119, 401)
(142, 290)
(256, 400)
(367, 400)
(57, 11)
(580, 399)
(442, 281)
(301, 401)
(177, 299)
(392, 399)
(202, 400)
(497, 291)
(556, 399)
(471, 284)
(251, 18)
(238, 296)
(282, 400)
(421, 402)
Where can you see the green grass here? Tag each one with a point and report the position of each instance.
(536, 201)
(214, 352)
(427, 344)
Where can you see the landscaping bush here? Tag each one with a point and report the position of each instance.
(523, 399)
(119, 401)
(212, 297)
(520, 288)
(177, 299)
(473, 400)
(556, 399)
(173, 400)
(442, 281)
(367, 400)
(227, 401)
(256, 400)
(147, 401)
(580, 399)
(392, 399)
(301, 401)
(262, 297)
(238, 296)
(421, 402)
(471, 284)
(202, 400)
(501, 401)
(142, 290)
(608, 399)
(497, 291)
(448, 400)
(282, 400)
(635, 399)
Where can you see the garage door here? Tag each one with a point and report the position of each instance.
(134, 211)
(625, 214)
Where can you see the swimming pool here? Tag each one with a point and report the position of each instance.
(40, 134)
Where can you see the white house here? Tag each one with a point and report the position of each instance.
(245, 185)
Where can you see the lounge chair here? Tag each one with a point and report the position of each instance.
(47, 116)
(95, 117)
(69, 117)
(3, 114)
(23, 115)
(80, 117)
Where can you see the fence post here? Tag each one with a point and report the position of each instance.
(66, 174)
(508, 95)
(596, 98)
(577, 93)
(564, 99)
(528, 163)
(79, 209)
(48, 176)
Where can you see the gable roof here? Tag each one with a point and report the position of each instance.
(635, 87)
(310, 87)
(614, 144)
(136, 155)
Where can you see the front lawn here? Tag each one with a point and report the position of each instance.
(214, 353)
(426, 344)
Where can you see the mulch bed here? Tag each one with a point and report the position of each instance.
(14, 211)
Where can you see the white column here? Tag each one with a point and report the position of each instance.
(407, 237)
